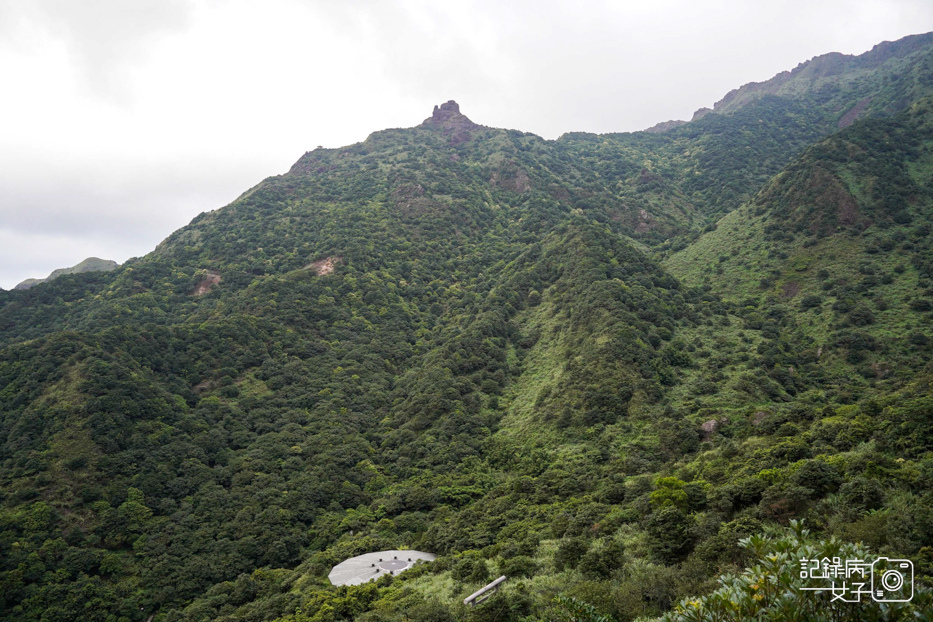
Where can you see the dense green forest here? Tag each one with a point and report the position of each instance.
(641, 375)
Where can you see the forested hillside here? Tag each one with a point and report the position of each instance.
(614, 368)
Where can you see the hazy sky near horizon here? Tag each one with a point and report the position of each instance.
(124, 119)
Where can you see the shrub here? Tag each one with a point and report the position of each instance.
(818, 476)
(861, 316)
(809, 302)
(784, 502)
(603, 558)
(670, 534)
(518, 566)
(569, 552)
(860, 494)
(470, 570)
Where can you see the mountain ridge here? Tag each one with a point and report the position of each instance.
(807, 75)
(91, 264)
(810, 74)
(458, 128)
(596, 365)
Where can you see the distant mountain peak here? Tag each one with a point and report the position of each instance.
(833, 68)
(91, 264)
(454, 124)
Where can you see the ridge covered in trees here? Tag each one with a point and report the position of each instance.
(614, 368)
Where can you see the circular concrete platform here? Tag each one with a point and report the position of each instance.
(369, 566)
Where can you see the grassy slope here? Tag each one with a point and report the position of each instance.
(788, 248)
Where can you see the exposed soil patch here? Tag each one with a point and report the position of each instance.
(410, 200)
(847, 211)
(881, 369)
(559, 193)
(205, 284)
(324, 266)
(644, 221)
(204, 386)
(823, 203)
(314, 162)
(854, 113)
(407, 192)
(647, 179)
(790, 289)
(830, 199)
(511, 177)
(422, 206)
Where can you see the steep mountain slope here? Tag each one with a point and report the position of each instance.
(458, 339)
(841, 239)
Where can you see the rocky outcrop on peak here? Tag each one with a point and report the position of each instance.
(455, 125)
(445, 112)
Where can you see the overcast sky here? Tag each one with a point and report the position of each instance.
(124, 119)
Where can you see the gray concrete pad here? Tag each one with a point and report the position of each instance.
(369, 566)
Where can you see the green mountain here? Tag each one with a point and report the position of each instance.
(723, 157)
(882, 81)
(840, 241)
(91, 264)
(595, 365)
